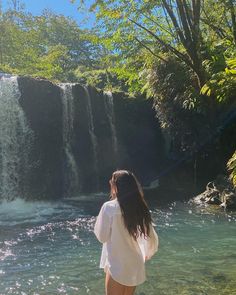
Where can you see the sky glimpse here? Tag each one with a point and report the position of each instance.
(84, 18)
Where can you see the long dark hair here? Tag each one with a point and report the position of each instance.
(126, 188)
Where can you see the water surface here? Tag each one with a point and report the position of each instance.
(49, 248)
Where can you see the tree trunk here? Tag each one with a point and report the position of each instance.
(233, 19)
(187, 27)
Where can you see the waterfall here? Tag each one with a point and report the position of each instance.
(71, 173)
(15, 142)
(111, 117)
(92, 135)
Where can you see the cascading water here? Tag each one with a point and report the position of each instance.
(71, 173)
(15, 142)
(92, 134)
(111, 117)
(78, 138)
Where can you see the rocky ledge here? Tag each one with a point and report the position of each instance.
(219, 192)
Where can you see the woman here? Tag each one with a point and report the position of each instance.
(124, 226)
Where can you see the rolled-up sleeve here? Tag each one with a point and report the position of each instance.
(102, 228)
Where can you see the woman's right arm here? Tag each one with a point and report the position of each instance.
(102, 228)
(151, 243)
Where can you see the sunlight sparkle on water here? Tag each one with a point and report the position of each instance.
(51, 249)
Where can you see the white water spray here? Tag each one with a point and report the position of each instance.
(92, 132)
(71, 173)
(15, 141)
(111, 117)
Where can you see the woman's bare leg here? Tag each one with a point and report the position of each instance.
(129, 290)
(114, 288)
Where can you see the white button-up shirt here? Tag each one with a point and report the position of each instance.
(121, 255)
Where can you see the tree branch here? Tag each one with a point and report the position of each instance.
(160, 26)
(150, 50)
(219, 31)
(183, 18)
(174, 21)
(233, 18)
(165, 45)
(189, 14)
(196, 13)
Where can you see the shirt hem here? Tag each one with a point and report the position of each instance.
(107, 269)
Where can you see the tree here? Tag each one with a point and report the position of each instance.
(156, 26)
(184, 28)
(180, 52)
(49, 46)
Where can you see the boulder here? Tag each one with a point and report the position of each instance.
(219, 192)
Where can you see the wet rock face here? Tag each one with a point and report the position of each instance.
(81, 144)
(220, 193)
(41, 103)
(107, 132)
(141, 144)
(114, 132)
